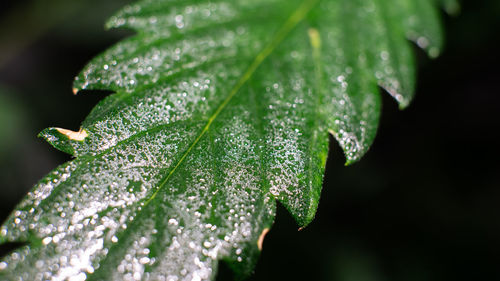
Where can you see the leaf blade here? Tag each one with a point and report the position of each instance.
(178, 159)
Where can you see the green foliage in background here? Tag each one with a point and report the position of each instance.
(220, 109)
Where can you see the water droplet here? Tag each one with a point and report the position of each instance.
(422, 42)
(46, 240)
(179, 21)
(384, 55)
(3, 265)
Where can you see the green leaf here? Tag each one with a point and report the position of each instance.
(220, 109)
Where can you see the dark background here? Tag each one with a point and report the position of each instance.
(423, 204)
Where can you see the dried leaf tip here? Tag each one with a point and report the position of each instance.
(75, 91)
(261, 238)
(72, 135)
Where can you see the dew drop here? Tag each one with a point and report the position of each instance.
(3, 265)
(46, 240)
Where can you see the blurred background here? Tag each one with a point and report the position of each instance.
(423, 204)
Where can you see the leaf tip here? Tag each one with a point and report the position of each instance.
(304, 221)
(64, 139)
(77, 84)
(260, 241)
(403, 105)
(72, 135)
(351, 159)
(402, 97)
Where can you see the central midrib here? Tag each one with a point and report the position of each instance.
(295, 18)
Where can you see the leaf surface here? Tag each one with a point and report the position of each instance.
(220, 109)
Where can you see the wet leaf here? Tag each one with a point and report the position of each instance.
(220, 109)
